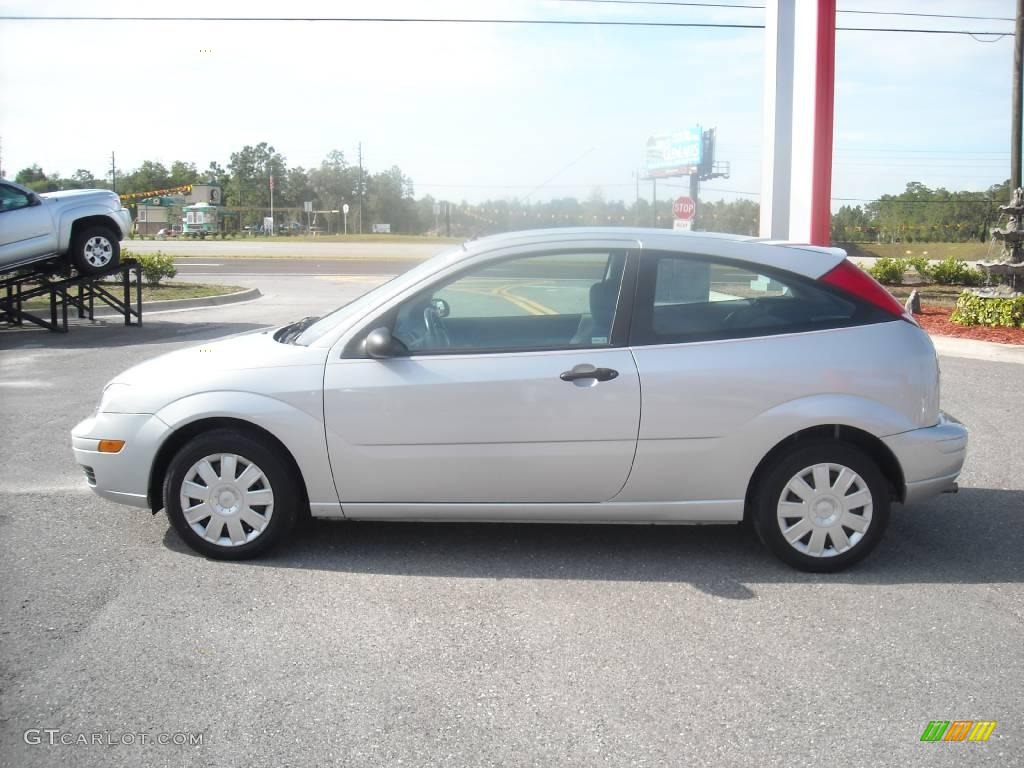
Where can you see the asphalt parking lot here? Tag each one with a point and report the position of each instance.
(398, 644)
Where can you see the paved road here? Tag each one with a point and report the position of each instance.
(188, 268)
(286, 248)
(397, 644)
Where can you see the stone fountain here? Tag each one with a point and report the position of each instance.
(1008, 272)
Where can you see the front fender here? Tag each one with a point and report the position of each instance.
(300, 432)
(67, 218)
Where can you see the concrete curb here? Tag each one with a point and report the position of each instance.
(196, 303)
(951, 346)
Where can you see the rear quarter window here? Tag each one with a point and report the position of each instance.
(688, 298)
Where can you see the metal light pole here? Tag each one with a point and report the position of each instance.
(1015, 125)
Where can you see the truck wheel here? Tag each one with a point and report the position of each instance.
(93, 249)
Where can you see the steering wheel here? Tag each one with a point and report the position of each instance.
(437, 333)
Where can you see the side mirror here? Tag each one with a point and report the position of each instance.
(34, 199)
(378, 344)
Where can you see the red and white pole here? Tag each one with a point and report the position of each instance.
(796, 180)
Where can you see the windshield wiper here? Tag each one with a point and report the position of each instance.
(289, 333)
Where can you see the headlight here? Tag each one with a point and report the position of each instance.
(109, 396)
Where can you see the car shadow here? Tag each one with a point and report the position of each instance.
(975, 536)
(86, 334)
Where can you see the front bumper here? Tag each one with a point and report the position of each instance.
(931, 458)
(124, 221)
(124, 476)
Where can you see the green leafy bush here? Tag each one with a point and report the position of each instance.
(920, 264)
(888, 271)
(994, 312)
(156, 266)
(953, 271)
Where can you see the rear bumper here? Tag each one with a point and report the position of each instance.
(931, 458)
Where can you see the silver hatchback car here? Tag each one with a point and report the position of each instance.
(578, 375)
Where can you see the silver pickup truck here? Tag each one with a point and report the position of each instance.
(85, 226)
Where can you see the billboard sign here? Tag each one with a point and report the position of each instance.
(675, 154)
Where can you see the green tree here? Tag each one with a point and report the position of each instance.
(250, 170)
(183, 173)
(34, 178)
(147, 177)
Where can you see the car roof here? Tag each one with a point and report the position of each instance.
(809, 260)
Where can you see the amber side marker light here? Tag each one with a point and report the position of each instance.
(111, 446)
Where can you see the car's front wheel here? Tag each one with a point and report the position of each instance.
(822, 506)
(93, 249)
(229, 496)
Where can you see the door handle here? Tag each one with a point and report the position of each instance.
(601, 374)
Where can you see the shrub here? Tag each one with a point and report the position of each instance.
(994, 312)
(953, 271)
(920, 264)
(156, 266)
(888, 271)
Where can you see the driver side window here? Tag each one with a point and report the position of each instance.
(552, 301)
(11, 198)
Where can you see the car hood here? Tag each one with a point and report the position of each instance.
(83, 195)
(238, 363)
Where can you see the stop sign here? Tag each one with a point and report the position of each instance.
(684, 208)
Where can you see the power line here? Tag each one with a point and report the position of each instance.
(931, 15)
(761, 7)
(399, 20)
(534, 22)
(666, 2)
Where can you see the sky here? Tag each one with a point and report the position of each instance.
(488, 111)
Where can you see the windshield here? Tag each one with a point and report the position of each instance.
(357, 307)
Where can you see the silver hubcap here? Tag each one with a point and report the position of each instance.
(227, 499)
(98, 251)
(824, 510)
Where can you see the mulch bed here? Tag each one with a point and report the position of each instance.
(936, 321)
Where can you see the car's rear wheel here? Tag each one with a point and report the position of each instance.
(822, 506)
(95, 248)
(229, 496)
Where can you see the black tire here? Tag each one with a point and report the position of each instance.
(278, 476)
(95, 248)
(785, 467)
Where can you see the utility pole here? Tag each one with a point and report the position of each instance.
(1, 157)
(113, 172)
(654, 201)
(695, 196)
(1015, 126)
(361, 185)
(636, 203)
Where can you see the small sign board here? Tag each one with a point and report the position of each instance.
(308, 206)
(682, 225)
(268, 223)
(344, 209)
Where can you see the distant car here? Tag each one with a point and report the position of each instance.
(85, 226)
(169, 232)
(579, 375)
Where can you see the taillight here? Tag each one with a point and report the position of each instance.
(851, 279)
